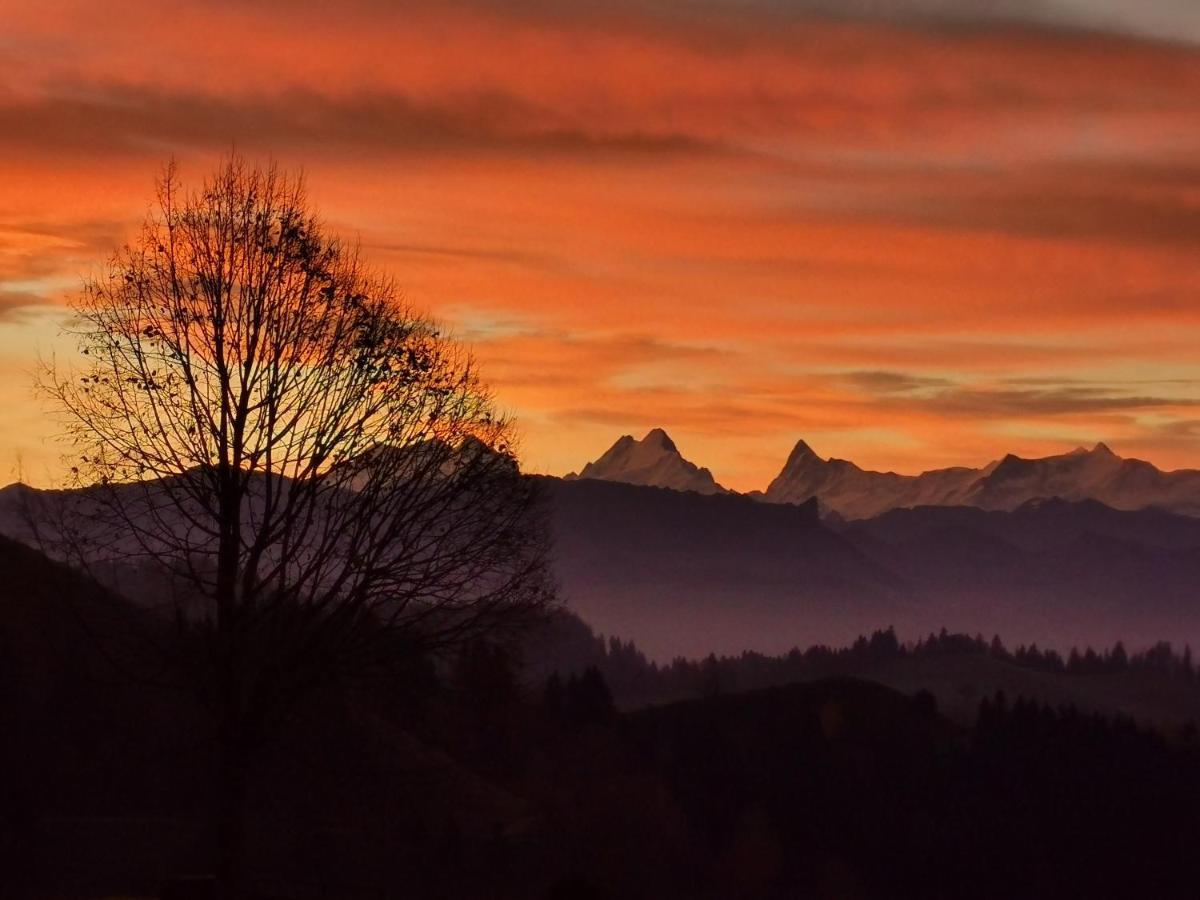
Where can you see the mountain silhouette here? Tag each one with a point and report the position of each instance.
(684, 574)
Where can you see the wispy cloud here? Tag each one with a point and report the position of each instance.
(122, 119)
(890, 383)
(15, 305)
(914, 230)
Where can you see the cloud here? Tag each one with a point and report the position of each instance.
(1050, 402)
(893, 382)
(121, 119)
(1015, 398)
(747, 220)
(41, 262)
(1172, 20)
(1148, 203)
(16, 305)
(543, 359)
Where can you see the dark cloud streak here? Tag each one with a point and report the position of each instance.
(1050, 402)
(16, 305)
(120, 120)
(1168, 20)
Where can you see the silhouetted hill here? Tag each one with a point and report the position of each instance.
(690, 574)
(105, 776)
(849, 711)
(44, 608)
(473, 786)
(1156, 685)
(846, 789)
(1035, 525)
(686, 574)
(1051, 572)
(61, 632)
(82, 740)
(960, 681)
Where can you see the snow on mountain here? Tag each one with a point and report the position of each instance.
(1097, 474)
(847, 491)
(653, 461)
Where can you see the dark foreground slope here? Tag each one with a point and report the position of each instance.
(476, 787)
(82, 742)
(68, 648)
(845, 789)
(106, 775)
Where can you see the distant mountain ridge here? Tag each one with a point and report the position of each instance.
(686, 574)
(1006, 484)
(850, 492)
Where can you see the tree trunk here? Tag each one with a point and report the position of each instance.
(231, 736)
(231, 815)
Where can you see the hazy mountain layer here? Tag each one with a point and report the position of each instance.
(683, 574)
(686, 574)
(689, 574)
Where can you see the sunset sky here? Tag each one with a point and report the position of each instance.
(916, 234)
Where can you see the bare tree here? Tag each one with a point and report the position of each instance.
(319, 467)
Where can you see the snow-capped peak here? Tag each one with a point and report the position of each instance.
(654, 461)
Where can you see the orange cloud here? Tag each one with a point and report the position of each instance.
(745, 228)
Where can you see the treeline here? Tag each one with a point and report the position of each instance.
(1160, 659)
(633, 679)
(1034, 722)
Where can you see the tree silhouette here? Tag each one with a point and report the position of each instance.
(1119, 659)
(587, 699)
(320, 469)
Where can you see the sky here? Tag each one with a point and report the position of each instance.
(915, 234)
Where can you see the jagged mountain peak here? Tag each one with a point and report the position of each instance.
(1101, 449)
(841, 487)
(654, 461)
(1081, 474)
(802, 453)
(657, 437)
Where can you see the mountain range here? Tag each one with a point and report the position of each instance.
(847, 491)
(687, 572)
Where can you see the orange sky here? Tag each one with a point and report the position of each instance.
(914, 243)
